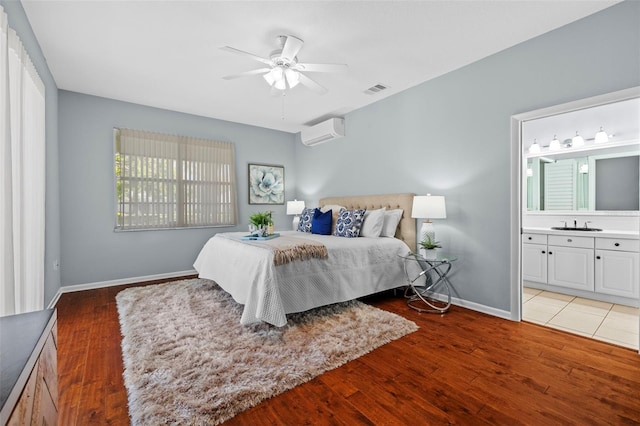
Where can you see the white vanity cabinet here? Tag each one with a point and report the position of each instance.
(571, 262)
(603, 267)
(617, 264)
(534, 257)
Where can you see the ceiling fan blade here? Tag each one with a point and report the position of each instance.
(247, 73)
(321, 67)
(251, 55)
(291, 48)
(311, 84)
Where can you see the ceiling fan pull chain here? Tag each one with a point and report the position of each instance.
(283, 95)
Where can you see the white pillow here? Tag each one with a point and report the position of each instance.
(373, 221)
(391, 221)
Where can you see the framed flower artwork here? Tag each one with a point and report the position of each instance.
(266, 184)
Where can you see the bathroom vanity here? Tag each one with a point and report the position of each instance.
(602, 265)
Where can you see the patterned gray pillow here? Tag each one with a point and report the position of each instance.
(349, 223)
(305, 220)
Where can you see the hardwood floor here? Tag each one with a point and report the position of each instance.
(462, 367)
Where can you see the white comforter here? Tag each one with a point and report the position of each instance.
(355, 267)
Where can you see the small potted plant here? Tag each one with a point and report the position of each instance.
(259, 222)
(428, 246)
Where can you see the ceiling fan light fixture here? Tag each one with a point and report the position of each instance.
(293, 78)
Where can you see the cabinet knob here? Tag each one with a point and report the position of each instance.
(598, 257)
(550, 252)
(531, 238)
(569, 240)
(543, 252)
(617, 244)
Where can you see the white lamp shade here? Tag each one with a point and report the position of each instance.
(577, 141)
(295, 207)
(555, 144)
(429, 207)
(601, 136)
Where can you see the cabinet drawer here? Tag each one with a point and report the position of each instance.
(570, 241)
(534, 238)
(617, 244)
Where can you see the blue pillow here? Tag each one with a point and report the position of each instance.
(305, 220)
(321, 222)
(349, 223)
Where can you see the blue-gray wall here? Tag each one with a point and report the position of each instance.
(18, 21)
(91, 250)
(451, 136)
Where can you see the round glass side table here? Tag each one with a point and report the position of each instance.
(430, 289)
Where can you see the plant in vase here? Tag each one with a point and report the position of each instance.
(259, 223)
(429, 246)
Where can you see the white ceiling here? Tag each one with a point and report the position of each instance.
(167, 54)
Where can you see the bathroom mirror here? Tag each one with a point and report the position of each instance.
(587, 160)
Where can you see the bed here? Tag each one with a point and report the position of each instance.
(354, 267)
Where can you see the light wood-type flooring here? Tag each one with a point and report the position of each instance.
(463, 367)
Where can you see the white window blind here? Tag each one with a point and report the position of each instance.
(560, 185)
(22, 177)
(169, 181)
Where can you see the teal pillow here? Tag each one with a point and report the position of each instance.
(321, 222)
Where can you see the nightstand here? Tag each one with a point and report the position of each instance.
(430, 290)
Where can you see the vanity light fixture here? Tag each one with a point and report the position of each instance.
(601, 136)
(577, 141)
(534, 148)
(555, 144)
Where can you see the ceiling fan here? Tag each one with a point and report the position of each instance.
(284, 71)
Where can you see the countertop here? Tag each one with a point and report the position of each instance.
(605, 233)
(20, 344)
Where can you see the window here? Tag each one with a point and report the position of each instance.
(167, 181)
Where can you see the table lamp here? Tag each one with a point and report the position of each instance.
(295, 207)
(428, 207)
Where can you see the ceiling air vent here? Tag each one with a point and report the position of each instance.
(375, 89)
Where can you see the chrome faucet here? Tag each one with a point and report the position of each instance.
(575, 223)
(585, 224)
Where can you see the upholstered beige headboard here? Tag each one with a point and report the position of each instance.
(406, 229)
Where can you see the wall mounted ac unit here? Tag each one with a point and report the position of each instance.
(326, 131)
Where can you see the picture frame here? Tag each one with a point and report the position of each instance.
(266, 184)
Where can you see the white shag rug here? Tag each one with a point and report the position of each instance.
(188, 360)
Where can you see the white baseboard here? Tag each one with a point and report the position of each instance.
(111, 283)
(475, 307)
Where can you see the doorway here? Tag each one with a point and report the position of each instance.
(549, 305)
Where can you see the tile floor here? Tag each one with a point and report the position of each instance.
(617, 324)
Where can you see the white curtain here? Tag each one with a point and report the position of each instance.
(22, 177)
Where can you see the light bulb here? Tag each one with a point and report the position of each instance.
(577, 141)
(601, 136)
(534, 148)
(555, 144)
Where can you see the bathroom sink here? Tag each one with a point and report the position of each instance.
(567, 228)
